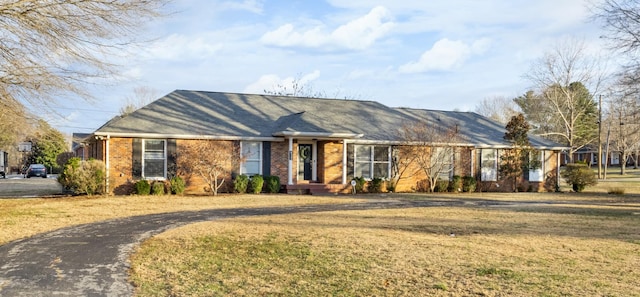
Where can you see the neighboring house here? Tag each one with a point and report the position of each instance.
(78, 145)
(589, 155)
(310, 143)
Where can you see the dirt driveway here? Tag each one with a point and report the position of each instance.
(16, 186)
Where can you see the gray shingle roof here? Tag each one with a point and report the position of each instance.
(213, 114)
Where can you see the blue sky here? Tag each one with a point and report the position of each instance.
(446, 55)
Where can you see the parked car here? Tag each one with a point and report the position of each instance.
(36, 170)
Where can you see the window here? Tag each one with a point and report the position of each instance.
(154, 159)
(489, 168)
(536, 166)
(442, 161)
(251, 153)
(371, 161)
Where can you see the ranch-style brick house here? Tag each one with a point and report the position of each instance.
(313, 145)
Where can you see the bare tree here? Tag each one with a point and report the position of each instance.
(623, 126)
(429, 147)
(51, 49)
(211, 160)
(498, 108)
(141, 97)
(566, 78)
(621, 20)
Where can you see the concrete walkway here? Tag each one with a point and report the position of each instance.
(92, 259)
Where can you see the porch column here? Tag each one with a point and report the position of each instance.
(344, 161)
(290, 161)
(473, 161)
(107, 165)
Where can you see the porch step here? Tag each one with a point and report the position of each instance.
(317, 189)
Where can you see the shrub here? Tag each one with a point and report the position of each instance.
(360, 182)
(469, 184)
(256, 183)
(616, 191)
(157, 188)
(272, 183)
(83, 177)
(142, 187)
(241, 183)
(391, 185)
(441, 186)
(455, 185)
(177, 185)
(579, 176)
(375, 185)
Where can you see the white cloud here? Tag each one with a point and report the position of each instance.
(357, 34)
(270, 82)
(446, 55)
(177, 47)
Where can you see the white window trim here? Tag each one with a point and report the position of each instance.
(144, 150)
(450, 169)
(540, 171)
(259, 156)
(372, 160)
(494, 175)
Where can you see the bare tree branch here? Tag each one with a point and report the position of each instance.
(50, 49)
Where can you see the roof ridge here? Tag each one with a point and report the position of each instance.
(284, 96)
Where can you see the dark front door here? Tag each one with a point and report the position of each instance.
(305, 153)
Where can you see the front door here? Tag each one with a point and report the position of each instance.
(305, 162)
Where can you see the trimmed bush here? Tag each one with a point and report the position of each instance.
(579, 176)
(455, 185)
(441, 186)
(272, 183)
(142, 187)
(177, 185)
(375, 185)
(83, 177)
(257, 181)
(157, 188)
(360, 182)
(469, 184)
(241, 183)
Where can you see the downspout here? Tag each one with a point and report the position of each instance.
(107, 163)
(290, 162)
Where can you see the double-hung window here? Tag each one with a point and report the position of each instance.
(442, 161)
(154, 165)
(536, 166)
(489, 166)
(251, 153)
(372, 161)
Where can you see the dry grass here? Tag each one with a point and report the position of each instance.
(529, 250)
(21, 218)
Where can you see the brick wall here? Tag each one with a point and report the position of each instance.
(195, 184)
(279, 160)
(120, 163)
(330, 157)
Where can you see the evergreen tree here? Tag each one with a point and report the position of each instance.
(514, 160)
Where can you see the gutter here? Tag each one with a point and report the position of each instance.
(186, 136)
(317, 135)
